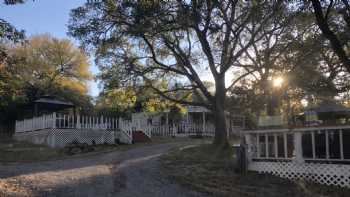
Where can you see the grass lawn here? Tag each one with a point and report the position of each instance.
(207, 169)
(15, 151)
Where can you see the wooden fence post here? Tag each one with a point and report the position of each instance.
(78, 126)
(298, 147)
(102, 124)
(54, 120)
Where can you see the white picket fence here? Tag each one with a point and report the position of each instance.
(181, 129)
(62, 121)
(36, 123)
(68, 126)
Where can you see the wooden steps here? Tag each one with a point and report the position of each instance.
(139, 136)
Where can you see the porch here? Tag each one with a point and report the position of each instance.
(57, 130)
(318, 154)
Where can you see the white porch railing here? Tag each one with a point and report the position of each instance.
(319, 154)
(63, 121)
(36, 123)
(179, 129)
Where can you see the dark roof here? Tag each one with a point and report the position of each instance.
(54, 101)
(326, 107)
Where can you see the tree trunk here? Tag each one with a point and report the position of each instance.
(220, 138)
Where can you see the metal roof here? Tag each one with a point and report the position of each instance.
(327, 107)
(53, 101)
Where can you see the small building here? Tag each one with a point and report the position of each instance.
(327, 113)
(196, 120)
(51, 104)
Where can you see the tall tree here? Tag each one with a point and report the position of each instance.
(45, 63)
(176, 40)
(42, 66)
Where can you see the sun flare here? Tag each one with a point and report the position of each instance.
(278, 81)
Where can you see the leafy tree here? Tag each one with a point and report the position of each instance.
(8, 33)
(116, 101)
(42, 66)
(45, 63)
(176, 40)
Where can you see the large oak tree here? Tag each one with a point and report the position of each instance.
(178, 41)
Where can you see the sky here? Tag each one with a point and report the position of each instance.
(45, 16)
(51, 16)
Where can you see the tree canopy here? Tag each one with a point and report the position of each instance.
(43, 65)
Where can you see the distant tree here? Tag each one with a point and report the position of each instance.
(8, 33)
(116, 102)
(176, 41)
(45, 63)
(42, 66)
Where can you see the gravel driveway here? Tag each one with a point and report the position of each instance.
(128, 173)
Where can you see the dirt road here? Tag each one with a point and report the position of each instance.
(126, 173)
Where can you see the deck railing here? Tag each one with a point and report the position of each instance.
(318, 154)
(323, 144)
(63, 121)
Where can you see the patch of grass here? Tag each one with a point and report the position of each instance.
(19, 151)
(14, 151)
(212, 170)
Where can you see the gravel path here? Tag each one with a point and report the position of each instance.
(129, 173)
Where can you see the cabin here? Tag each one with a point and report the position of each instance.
(196, 121)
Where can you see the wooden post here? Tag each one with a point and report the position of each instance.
(203, 115)
(64, 121)
(327, 144)
(285, 145)
(54, 120)
(341, 144)
(276, 145)
(298, 147)
(258, 145)
(266, 146)
(102, 124)
(78, 126)
(313, 144)
(167, 118)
